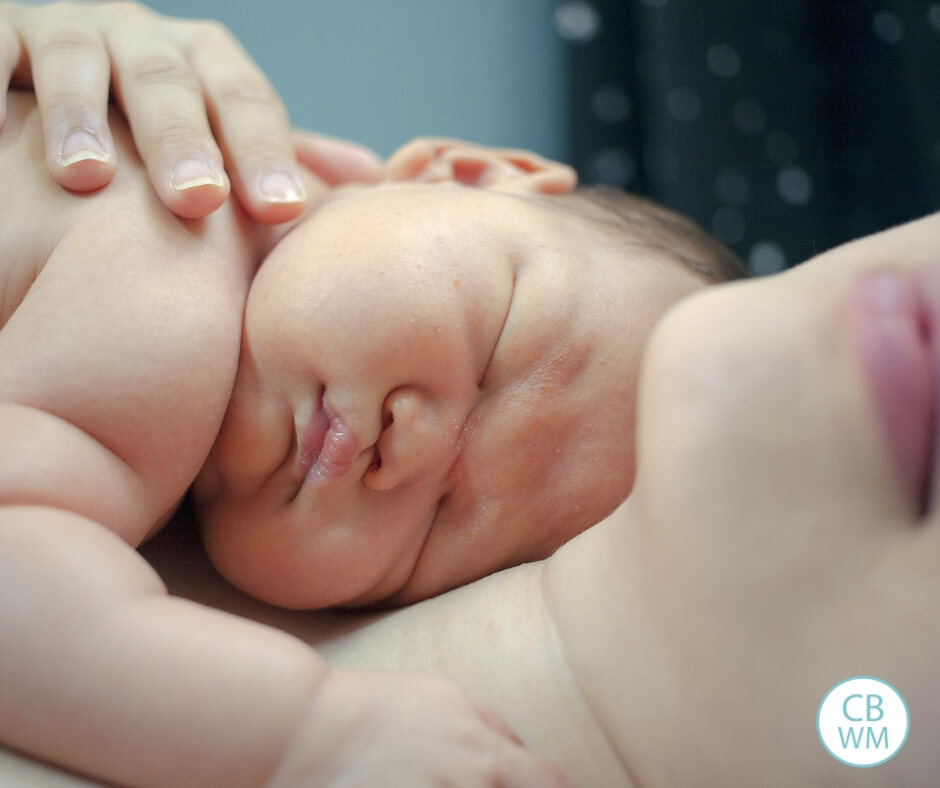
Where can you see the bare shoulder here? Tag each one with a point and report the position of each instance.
(121, 333)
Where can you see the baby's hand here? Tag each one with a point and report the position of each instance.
(373, 728)
(178, 81)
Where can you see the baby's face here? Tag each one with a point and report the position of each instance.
(435, 382)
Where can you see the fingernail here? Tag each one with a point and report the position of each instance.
(81, 145)
(190, 173)
(282, 187)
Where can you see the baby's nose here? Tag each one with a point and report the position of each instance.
(418, 442)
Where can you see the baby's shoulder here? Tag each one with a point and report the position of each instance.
(120, 324)
(34, 215)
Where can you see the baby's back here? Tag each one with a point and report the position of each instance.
(119, 336)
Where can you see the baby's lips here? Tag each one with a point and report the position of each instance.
(340, 448)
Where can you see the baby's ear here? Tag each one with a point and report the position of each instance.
(433, 160)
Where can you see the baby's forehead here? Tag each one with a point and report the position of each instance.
(391, 228)
(366, 212)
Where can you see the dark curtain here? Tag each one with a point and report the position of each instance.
(783, 126)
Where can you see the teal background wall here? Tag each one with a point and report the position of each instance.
(384, 71)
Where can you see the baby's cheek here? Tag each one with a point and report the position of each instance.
(556, 468)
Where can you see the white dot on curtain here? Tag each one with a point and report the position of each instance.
(683, 104)
(611, 104)
(766, 257)
(933, 15)
(612, 166)
(795, 185)
(887, 27)
(723, 60)
(577, 21)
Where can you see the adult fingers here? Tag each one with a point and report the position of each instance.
(337, 161)
(71, 72)
(162, 98)
(251, 124)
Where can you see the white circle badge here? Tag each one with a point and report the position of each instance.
(863, 721)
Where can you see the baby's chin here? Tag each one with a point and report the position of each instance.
(271, 572)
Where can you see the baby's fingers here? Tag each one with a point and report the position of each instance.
(518, 768)
(515, 766)
(71, 72)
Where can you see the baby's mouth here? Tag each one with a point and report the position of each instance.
(328, 446)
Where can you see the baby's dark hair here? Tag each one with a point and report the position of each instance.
(644, 223)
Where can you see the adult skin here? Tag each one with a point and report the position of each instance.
(773, 546)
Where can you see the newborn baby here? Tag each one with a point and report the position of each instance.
(437, 377)
(433, 377)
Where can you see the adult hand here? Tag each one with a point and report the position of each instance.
(379, 728)
(196, 102)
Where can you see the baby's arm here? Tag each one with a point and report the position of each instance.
(106, 674)
(100, 670)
